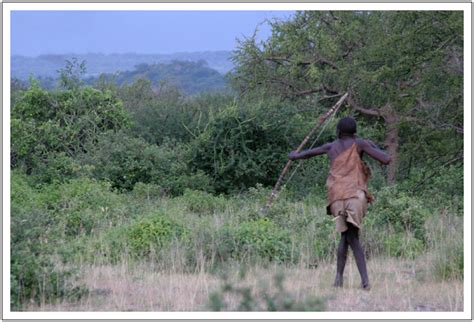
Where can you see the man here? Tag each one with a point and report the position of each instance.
(347, 190)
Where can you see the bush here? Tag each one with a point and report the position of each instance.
(401, 212)
(325, 239)
(201, 202)
(81, 205)
(245, 144)
(36, 235)
(140, 239)
(152, 233)
(36, 278)
(148, 191)
(124, 161)
(49, 128)
(260, 238)
(403, 245)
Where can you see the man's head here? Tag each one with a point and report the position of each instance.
(346, 127)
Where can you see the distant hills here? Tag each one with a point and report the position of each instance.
(191, 72)
(47, 65)
(191, 77)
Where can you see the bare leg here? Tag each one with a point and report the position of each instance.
(341, 260)
(352, 235)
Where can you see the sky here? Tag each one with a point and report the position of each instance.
(144, 32)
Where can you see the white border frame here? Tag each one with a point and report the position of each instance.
(465, 7)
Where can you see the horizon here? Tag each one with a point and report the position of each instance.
(37, 33)
(117, 54)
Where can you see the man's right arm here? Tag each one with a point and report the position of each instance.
(310, 153)
(373, 151)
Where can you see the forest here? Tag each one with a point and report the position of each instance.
(143, 195)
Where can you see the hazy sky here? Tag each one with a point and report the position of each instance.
(42, 32)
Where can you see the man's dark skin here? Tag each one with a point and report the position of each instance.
(345, 141)
(350, 237)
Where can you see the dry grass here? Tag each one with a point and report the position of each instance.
(397, 285)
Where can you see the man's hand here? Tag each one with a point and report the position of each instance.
(293, 155)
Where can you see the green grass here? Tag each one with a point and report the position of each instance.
(85, 222)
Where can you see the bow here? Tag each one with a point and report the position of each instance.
(320, 122)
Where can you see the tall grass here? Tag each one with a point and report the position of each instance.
(203, 234)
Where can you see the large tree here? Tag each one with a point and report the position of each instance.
(397, 66)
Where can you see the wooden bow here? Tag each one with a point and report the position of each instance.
(320, 122)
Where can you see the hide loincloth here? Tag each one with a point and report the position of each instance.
(347, 189)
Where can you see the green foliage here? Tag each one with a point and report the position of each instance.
(449, 262)
(262, 299)
(70, 77)
(147, 191)
(259, 238)
(50, 127)
(37, 279)
(403, 69)
(141, 239)
(151, 234)
(399, 211)
(403, 245)
(245, 144)
(36, 232)
(443, 187)
(125, 160)
(325, 239)
(201, 202)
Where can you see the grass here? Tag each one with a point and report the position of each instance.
(397, 285)
(192, 240)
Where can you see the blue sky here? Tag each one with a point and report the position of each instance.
(57, 32)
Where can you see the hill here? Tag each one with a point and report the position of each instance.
(190, 77)
(47, 65)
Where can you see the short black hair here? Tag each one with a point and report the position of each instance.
(347, 125)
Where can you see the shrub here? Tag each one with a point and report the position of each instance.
(148, 191)
(152, 233)
(245, 144)
(124, 161)
(403, 245)
(140, 239)
(260, 238)
(36, 278)
(399, 211)
(36, 234)
(201, 202)
(325, 239)
(48, 127)
(80, 205)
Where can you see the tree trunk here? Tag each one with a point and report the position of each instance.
(391, 120)
(392, 143)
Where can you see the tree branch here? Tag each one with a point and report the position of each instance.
(315, 60)
(367, 111)
(311, 91)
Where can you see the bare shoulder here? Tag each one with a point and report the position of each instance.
(328, 146)
(362, 142)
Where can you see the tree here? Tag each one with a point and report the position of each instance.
(398, 67)
(70, 76)
(55, 126)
